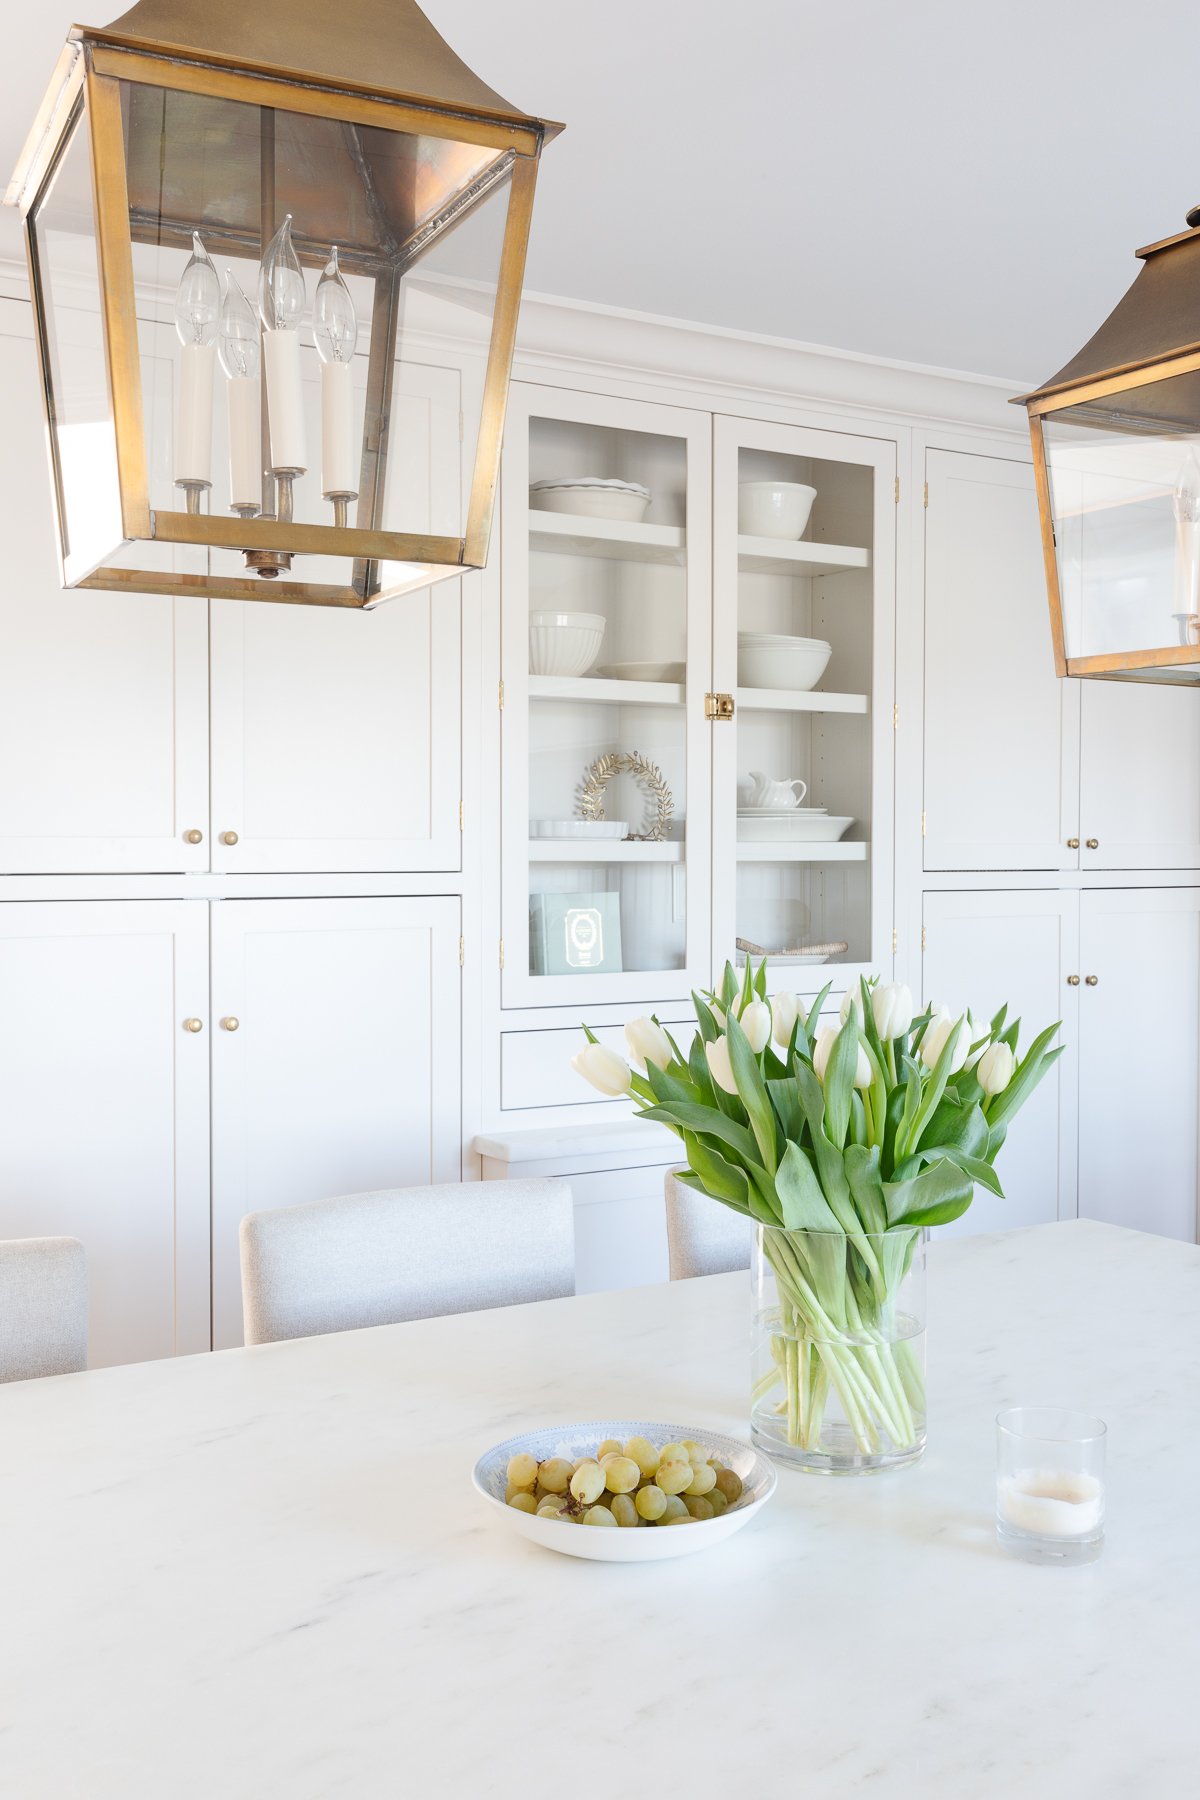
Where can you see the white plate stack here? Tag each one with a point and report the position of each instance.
(591, 497)
(790, 825)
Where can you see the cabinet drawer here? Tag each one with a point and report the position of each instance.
(535, 1066)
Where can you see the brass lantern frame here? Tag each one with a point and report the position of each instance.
(1139, 330)
(88, 80)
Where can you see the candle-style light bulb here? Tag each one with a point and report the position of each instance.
(238, 350)
(335, 333)
(281, 297)
(1186, 610)
(197, 303)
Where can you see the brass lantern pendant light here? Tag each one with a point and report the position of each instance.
(1116, 450)
(276, 254)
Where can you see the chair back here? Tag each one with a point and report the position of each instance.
(704, 1237)
(404, 1253)
(43, 1307)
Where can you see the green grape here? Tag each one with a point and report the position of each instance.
(674, 1475)
(674, 1509)
(672, 1453)
(523, 1501)
(522, 1470)
(698, 1506)
(644, 1454)
(621, 1473)
(552, 1507)
(624, 1511)
(598, 1515)
(555, 1475)
(683, 1518)
(704, 1478)
(730, 1484)
(716, 1500)
(651, 1503)
(587, 1483)
(608, 1447)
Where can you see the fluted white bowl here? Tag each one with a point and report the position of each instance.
(623, 504)
(794, 663)
(774, 509)
(564, 643)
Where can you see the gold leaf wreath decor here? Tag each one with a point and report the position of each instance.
(616, 762)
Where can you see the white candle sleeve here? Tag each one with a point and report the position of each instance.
(245, 441)
(339, 465)
(194, 414)
(285, 399)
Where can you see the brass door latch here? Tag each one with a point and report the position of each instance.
(718, 706)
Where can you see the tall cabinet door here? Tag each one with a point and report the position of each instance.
(103, 697)
(1140, 1058)
(983, 950)
(336, 1037)
(1001, 730)
(105, 1108)
(1139, 776)
(804, 641)
(337, 733)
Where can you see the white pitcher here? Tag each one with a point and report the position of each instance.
(778, 795)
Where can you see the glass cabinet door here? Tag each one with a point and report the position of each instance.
(606, 546)
(804, 550)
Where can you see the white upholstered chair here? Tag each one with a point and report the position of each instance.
(404, 1253)
(43, 1307)
(704, 1237)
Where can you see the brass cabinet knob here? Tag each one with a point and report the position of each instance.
(1093, 843)
(229, 837)
(1072, 981)
(193, 837)
(1092, 980)
(1072, 843)
(231, 1024)
(193, 1024)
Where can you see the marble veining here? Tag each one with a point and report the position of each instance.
(266, 1572)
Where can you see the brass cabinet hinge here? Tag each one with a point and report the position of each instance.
(462, 813)
(895, 940)
(462, 952)
(924, 825)
(718, 706)
(927, 493)
(501, 952)
(501, 696)
(896, 717)
(924, 937)
(897, 490)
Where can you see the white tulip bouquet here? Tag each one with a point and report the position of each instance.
(843, 1141)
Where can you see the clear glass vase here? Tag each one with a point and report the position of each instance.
(839, 1349)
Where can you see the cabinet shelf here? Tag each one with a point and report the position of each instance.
(802, 853)
(798, 700)
(581, 850)
(779, 556)
(613, 693)
(566, 534)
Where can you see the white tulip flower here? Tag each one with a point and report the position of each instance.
(604, 1069)
(785, 1010)
(719, 1065)
(756, 1023)
(995, 1068)
(823, 1050)
(942, 1026)
(852, 998)
(892, 1005)
(648, 1043)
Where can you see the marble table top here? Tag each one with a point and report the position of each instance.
(265, 1572)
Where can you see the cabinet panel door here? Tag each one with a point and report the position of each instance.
(336, 733)
(985, 949)
(1001, 730)
(343, 1073)
(1139, 1044)
(1139, 776)
(103, 697)
(105, 1133)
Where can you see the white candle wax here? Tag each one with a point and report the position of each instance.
(1052, 1503)
(193, 414)
(285, 399)
(245, 441)
(339, 465)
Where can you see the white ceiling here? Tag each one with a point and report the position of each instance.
(939, 182)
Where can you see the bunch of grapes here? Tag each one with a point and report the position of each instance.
(624, 1485)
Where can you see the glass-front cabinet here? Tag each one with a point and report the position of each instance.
(607, 611)
(698, 679)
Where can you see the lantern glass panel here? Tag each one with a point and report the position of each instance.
(1124, 473)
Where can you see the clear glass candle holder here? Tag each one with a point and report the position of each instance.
(1050, 1484)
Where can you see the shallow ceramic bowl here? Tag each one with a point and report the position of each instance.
(647, 1543)
(774, 509)
(564, 643)
(600, 502)
(782, 662)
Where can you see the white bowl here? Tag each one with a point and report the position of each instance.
(647, 1543)
(792, 828)
(578, 828)
(564, 643)
(781, 662)
(644, 671)
(593, 499)
(774, 509)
